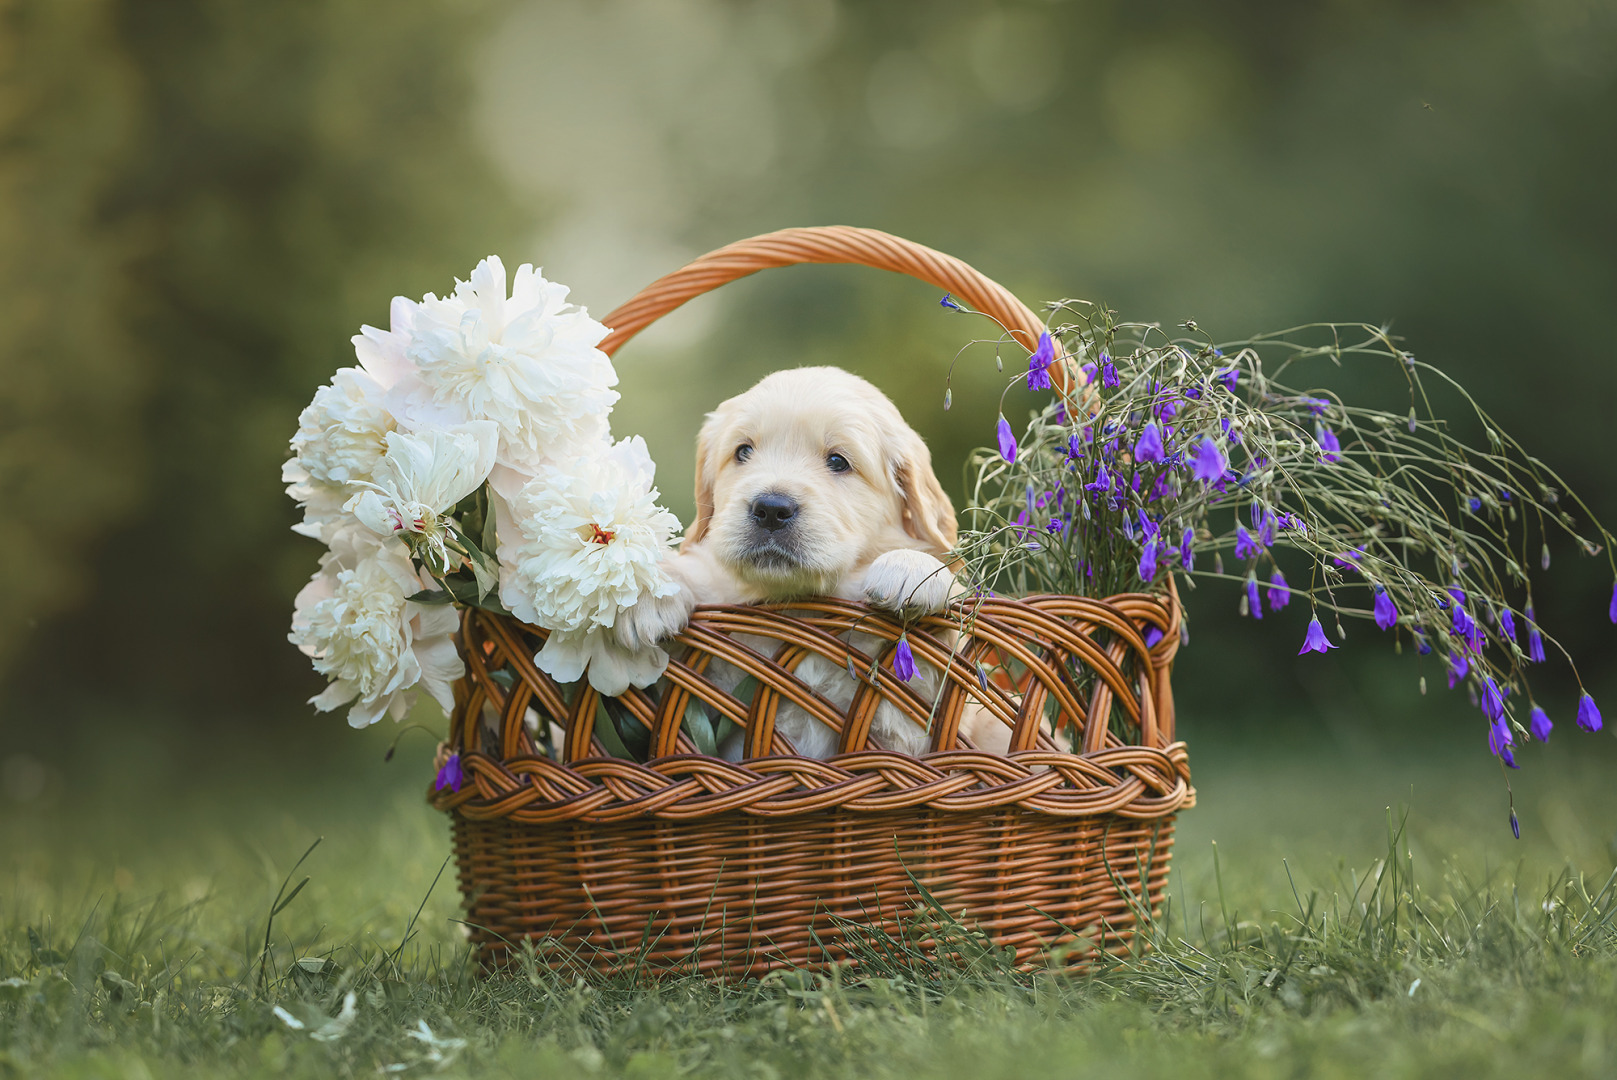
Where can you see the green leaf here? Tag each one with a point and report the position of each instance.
(486, 571)
(634, 735)
(607, 732)
(489, 537)
(430, 596)
(464, 591)
(699, 726)
(746, 689)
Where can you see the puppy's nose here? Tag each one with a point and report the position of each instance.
(773, 511)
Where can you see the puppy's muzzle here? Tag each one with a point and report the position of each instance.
(773, 511)
(775, 537)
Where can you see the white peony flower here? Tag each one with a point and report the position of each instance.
(420, 479)
(528, 362)
(381, 352)
(340, 440)
(567, 654)
(582, 538)
(355, 621)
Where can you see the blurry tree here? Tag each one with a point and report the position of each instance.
(1441, 166)
(72, 452)
(230, 188)
(203, 199)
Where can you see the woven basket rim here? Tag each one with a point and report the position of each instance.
(1137, 782)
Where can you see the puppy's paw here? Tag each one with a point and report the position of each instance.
(653, 619)
(908, 583)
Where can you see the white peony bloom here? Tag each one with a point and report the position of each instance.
(421, 478)
(582, 538)
(528, 362)
(567, 654)
(340, 440)
(381, 352)
(355, 621)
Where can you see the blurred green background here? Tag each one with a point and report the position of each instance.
(201, 200)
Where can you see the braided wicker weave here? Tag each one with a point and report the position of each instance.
(734, 869)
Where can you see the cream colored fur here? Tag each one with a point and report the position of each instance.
(875, 532)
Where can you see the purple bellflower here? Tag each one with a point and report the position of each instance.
(1038, 365)
(1314, 640)
(948, 302)
(1148, 559)
(1535, 640)
(1108, 373)
(1386, 612)
(1507, 623)
(1464, 625)
(1245, 546)
(1423, 644)
(451, 776)
(1153, 634)
(1493, 702)
(1149, 446)
(1279, 591)
(1254, 602)
(1208, 462)
(1588, 713)
(1612, 611)
(1007, 441)
(904, 660)
(1539, 724)
(1499, 737)
(1316, 405)
(1515, 826)
(1187, 557)
(1349, 560)
(1458, 667)
(1229, 378)
(1266, 529)
(1089, 371)
(1330, 447)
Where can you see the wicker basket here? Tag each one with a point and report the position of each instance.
(734, 869)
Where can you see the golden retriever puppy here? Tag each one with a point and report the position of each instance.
(812, 484)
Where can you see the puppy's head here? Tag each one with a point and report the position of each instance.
(809, 475)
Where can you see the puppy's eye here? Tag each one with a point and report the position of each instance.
(743, 452)
(837, 463)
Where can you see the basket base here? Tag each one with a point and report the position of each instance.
(737, 895)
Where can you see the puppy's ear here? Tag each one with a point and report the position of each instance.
(706, 476)
(928, 513)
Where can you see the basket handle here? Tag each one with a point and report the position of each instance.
(829, 244)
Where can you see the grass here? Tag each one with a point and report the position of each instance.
(1323, 935)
